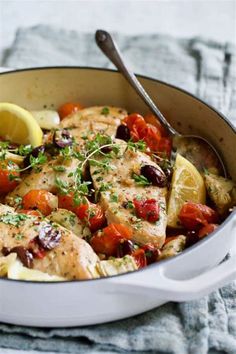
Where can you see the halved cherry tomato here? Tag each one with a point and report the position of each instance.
(108, 240)
(40, 199)
(68, 108)
(140, 258)
(147, 209)
(151, 252)
(193, 215)
(89, 212)
(206, 230)
(151, 119)
(8, 176)
(29, 212)
(141, 130)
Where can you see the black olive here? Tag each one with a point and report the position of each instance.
(154, 175)
(48, 237)
(191, 238)
(62, 138)
(106, 149)
(123, 132)
(35, 153)
(125, 247)
(168, 172)
(25, 255)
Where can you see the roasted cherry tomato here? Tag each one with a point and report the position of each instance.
(68, 108)
(151, 119)
(193, 215)
(40, 199)
(151, 252)
(206, 230)
(148, 132)
(9, 176)
(140, 258)
(107, 241)
(29, 212)
(147, 209)
(89, 212)
(165, 146)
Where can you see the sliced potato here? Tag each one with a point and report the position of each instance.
(222, 192)
(117, 266)
(47, 119)
(173, 247)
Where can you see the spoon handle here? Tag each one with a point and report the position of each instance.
(110, 49)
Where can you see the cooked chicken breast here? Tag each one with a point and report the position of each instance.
(118, 190)
(71, 258)
(45, 179)
(99, 119)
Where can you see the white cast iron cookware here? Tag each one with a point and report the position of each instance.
(188, 276)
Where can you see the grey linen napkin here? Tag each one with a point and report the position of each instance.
(203, 67)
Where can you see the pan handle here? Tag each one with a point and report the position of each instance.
(157, 283)
(154, 280)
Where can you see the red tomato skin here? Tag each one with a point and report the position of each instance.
(95, 222)
(140, 258)
(68, 108)
(206, 230)
(108, 240)
(39, 199)
(151, 252)
(151, 119)
(7, 169)
(194, 215)
(147, 209)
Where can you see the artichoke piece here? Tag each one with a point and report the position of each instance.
(222, 192)
(116, 266)
(70, 221)
(173, 247)
(6, 262)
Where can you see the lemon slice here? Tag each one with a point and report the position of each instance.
(187, 185)
(18, 125)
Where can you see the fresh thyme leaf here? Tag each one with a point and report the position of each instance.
(12, 177)
(105, 111)
(39, 160)
(139, 145)
(140, 180)
(130, 205)
(62, 186)
(24, 150)
(59, 169)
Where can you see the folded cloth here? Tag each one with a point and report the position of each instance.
(203, 67)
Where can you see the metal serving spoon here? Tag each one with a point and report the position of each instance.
(195, 148)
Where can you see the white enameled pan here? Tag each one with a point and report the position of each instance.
(190, 275)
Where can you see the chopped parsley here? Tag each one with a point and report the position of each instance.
(13, 219)
(114, 198)
(105, 111)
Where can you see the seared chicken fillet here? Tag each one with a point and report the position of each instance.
(45, 179)
(104, 120)
(71, 258)
(117, 189)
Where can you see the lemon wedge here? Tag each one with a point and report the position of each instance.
(187, 185)
(18, 125)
